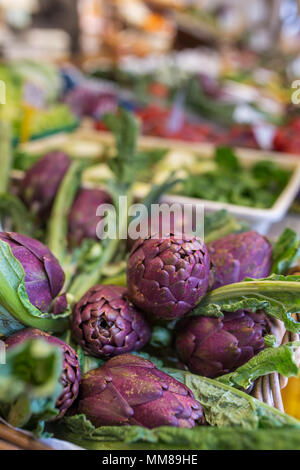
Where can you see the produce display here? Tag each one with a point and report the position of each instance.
(33, 93)
(158, 345)
(229, 182)
(201, 95)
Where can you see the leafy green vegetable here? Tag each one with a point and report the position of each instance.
(258, 186)
(226, 406)
(227, 160)
(30, 385)
(79, 430)
(277, 295)
(15, 307)
(286, 251)
(281, 360)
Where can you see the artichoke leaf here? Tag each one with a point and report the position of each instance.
(281, 360)
(16, 311)
(277, 295)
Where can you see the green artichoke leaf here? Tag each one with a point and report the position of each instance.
(80, 431)
(16, 310)
(281, 360)
(277, 295)
(226, 406)
(286, 251)
(30, 385)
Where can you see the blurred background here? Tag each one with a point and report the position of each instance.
(202, 72)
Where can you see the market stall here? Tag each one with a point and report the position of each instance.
(150, 227)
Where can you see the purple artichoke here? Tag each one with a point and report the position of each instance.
(129, 390)
(215, 346)
(238, 256)
(70, 377)
(168, 277)
(44, 277)
(42, 181)
(83, 220)
(105, 324)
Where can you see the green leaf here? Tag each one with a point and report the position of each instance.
(30, 384)
(226, 406)
(80, 431)
(226, 159)
(16, 311)
(157, 191)
(278, 296)
(281, 360)
(285, 252)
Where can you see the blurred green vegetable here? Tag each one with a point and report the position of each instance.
(258, 186)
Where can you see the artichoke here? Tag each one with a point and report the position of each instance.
(216, 346)
(238, 256)
(70, 377)
(129, 390)
(167, 277)
(44, 278)
(105, 324)
(41, 183)
(83, 220)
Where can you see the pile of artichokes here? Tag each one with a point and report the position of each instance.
(166, 280)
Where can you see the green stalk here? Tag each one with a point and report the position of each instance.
(277, 295)
(58, 225)
(119, 280)
(83, 282)
(247, 288)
